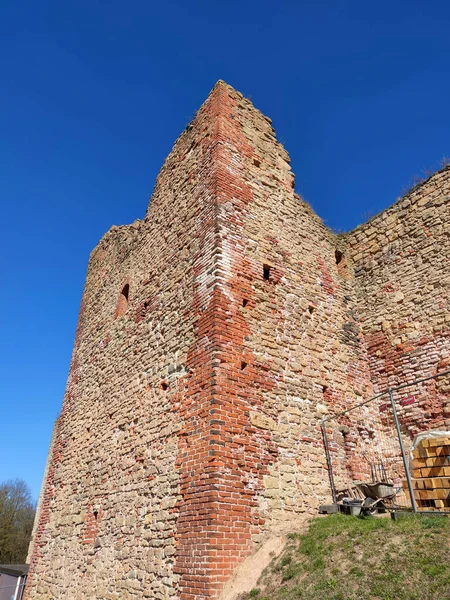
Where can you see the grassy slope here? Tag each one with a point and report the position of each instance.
(352, 558)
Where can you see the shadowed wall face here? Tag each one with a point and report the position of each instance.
(213, 337)
(114, 487)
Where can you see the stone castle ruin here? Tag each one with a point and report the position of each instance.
(213, 336)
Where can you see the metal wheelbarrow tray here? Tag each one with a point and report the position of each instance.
(378, 490)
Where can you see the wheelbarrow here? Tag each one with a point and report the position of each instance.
(377, 494)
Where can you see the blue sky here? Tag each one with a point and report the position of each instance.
(95, 93)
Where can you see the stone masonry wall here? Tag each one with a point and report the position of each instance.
(292, 349)
(402, 279)
(286, 349)
(399, 264)
(113, 495)
(213, 337)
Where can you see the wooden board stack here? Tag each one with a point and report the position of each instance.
(431, 474)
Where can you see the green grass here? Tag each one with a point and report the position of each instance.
(353, 558)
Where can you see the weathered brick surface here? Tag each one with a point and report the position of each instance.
(213, 336)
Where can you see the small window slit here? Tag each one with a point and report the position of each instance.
(122, 302)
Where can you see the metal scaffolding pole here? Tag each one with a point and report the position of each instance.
(402, 448)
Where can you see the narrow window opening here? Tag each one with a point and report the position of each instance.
(324, 389)
(266, 272)
(243, 365)
(256, 162)
(164, 386)
(122, 303)
(311, 309)
(338, 256)
(244, 302)
(95, 511)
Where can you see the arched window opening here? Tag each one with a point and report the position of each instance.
(122, 303)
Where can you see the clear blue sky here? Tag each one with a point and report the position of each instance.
(94, 94)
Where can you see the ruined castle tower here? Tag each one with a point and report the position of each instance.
(213, 336)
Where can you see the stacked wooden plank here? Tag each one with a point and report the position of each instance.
(431, 474)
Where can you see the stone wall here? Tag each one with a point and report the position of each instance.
(114, 489)
(42, 500)
(292, 350)
(402, 280)
(401, 283)
(213, 337)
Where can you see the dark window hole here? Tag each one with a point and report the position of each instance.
(311, 309)
(164, 386)
(143, 309)
(266, 272)
(122, 303)
(95, 514)
(338, 256)
(243, 365)
(244, 302)
(256, 162)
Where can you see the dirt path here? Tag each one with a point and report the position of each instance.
(246, 575)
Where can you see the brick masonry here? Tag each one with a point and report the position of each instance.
(213, 337)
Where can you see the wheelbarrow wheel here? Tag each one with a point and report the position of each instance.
(369, 506)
